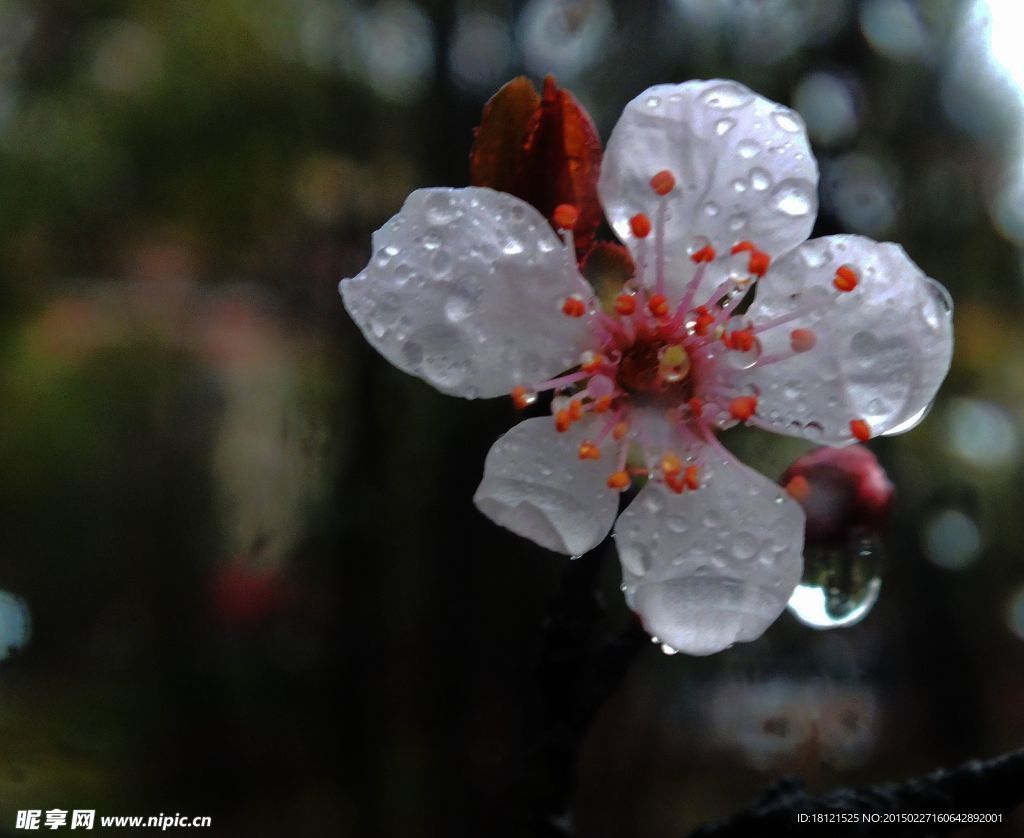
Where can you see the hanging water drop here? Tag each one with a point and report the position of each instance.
(840, 584)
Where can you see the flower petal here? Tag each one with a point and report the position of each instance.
(715, 566)
(742, 164)
(536, 485)
(880, 351)
(465, 290)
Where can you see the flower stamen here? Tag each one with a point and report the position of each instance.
(860, 429)
(573, 306)
(845, 279)
(663, 182)
(640, 224)
(565, 216)
(743, 407)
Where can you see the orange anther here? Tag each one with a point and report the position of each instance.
(522, 398)
(802, 340)
(759, 262)
(799, 488)
(692, 477)
(658, 305)
(845, 278)
(565, 216)
(620, 430)
(860, 429)
(591, 362)
(705, 254)
(663, 182)
(575, 410)
(602, 404)
(705, 320)
(619, 480)
(562, 421)
(640, 224)
(696, 407)
(671, 464)
(625, 303)
(589, 450)
(574, 307)
(675, 483)
(743, 407)
(742, 340)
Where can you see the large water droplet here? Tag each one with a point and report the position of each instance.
(840, 584)
(724, 126)
(791, 197)
(512, 247)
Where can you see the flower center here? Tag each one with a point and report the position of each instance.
(673, 355)
(655, 371)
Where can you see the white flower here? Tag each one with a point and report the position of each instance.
(713, 189)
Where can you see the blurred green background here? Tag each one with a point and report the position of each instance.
(258, 587)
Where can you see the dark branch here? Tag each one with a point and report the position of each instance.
(991, 786)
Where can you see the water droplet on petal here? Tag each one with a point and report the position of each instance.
(653, 102)
(668, 650)
(744, 546)
(512, 247)
(786, 120)
(724, 126)
(441, 263)
(791, 197)
(760, 179)
(726, 96)
(748, 148)
(439, 209)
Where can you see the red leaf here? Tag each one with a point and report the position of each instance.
(543, 149)
(563, 161)
(496, 159)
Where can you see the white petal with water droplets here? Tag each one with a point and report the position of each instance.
(536, 485)
(715, 566)
(465, 288)
(742, 164)
(882, 349)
